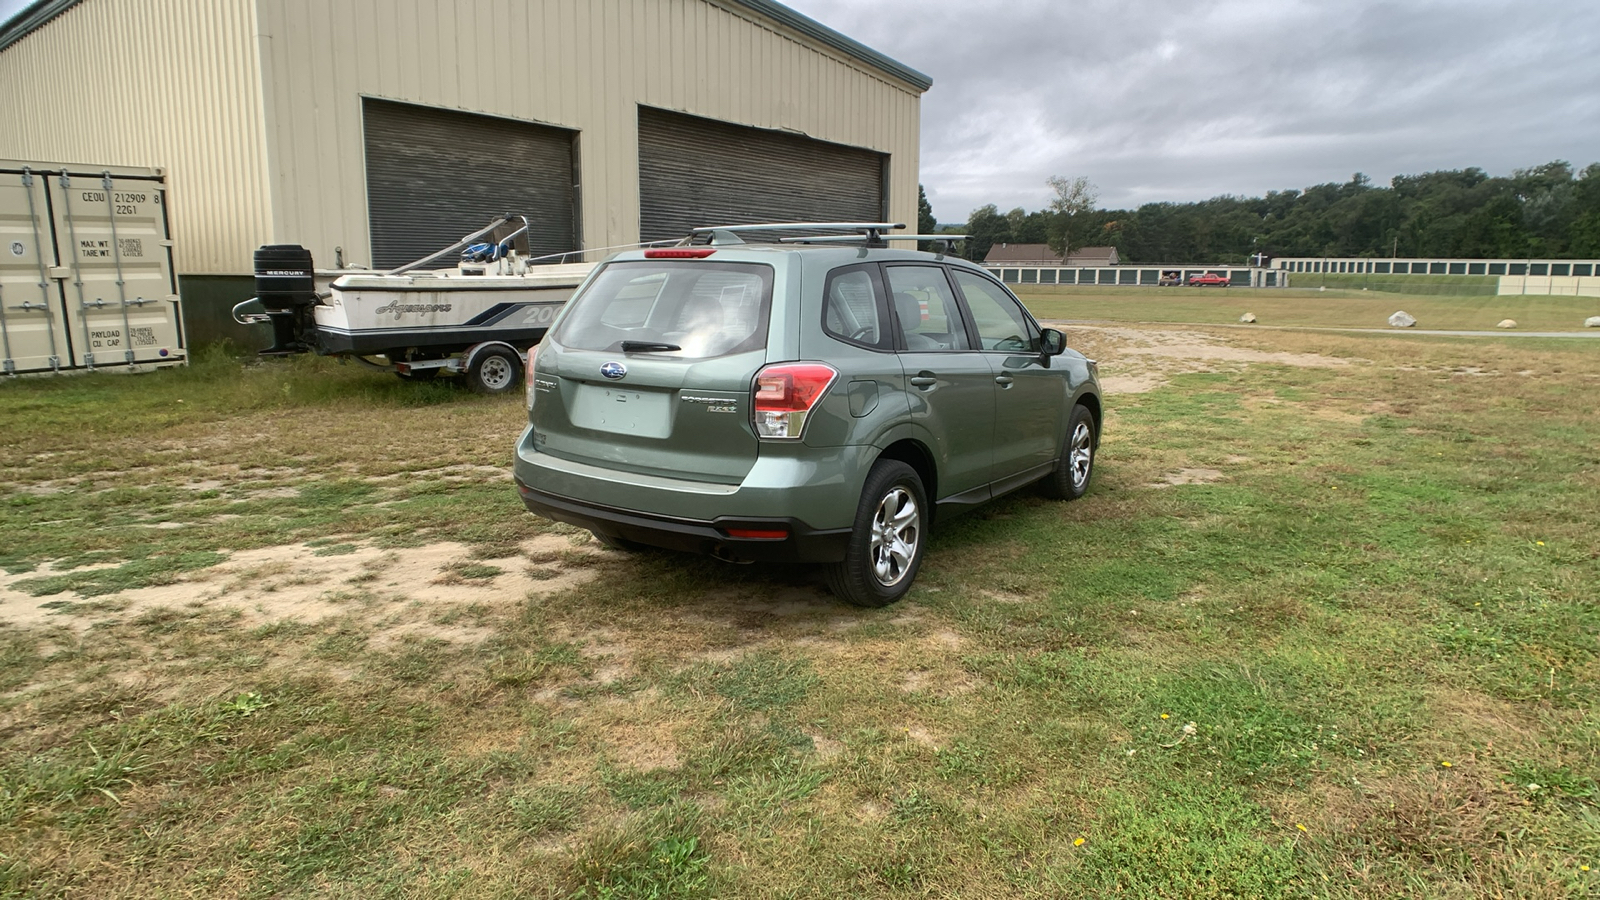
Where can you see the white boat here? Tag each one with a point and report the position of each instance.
(476, 318)
(442, 311)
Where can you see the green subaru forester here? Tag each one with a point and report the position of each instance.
(809, 402)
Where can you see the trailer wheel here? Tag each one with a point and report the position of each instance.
(494, 371)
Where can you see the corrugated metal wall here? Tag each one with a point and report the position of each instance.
(254, 106)
(579, 64)
(163, 83)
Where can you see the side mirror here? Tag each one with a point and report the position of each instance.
(1051, 342)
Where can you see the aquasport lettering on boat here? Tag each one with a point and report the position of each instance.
(400, 309)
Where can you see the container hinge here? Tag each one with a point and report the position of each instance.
(88, 360)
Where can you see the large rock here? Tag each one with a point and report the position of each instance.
(1248, 318)
(1402, 319)
(1506, 323)
(1592, 322)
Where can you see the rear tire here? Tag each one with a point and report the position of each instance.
(1074, 468)
(494, 372)
(888, 539)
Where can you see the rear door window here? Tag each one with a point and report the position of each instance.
(925, 309)
(703, 309)
(853, 309)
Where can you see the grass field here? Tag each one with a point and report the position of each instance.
(1325, 626)
(1294, 307)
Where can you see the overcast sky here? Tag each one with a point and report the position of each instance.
(1188, 99)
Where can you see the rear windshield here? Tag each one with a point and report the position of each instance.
(704, 309)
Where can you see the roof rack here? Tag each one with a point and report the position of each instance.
(857, 238)
(870, 232)
(942, 242)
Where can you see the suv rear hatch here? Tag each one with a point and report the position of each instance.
(650, 370)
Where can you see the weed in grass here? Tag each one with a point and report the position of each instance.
(547, 809)
(758, 681)
(495, 551)
(1180, 839)
(335, 550)
(657, 856)
(137, 574)
(643, 790)
(526, 666)
(464, 571)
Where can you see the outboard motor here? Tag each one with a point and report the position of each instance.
(286, 288)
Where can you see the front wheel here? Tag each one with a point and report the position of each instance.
(494, 372)
(887, 540)
(1070, 479)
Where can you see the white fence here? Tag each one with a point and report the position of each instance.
(1138, 276)
(1550, 285)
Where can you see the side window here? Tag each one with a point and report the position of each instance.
(1002, 325)
(852, 307)
(926, 309)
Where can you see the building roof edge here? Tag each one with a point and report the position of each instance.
(31, 19)
(821, 33)
(39, 13)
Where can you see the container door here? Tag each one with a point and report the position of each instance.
(33, 334)
(121, 300)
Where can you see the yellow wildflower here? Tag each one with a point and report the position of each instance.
(1445, 763)
(1079, 843)
(1299, 826)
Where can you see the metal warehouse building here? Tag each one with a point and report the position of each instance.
(375, 131)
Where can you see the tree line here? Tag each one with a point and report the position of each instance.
(1546, 211)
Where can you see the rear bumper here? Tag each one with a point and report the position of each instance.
(801, 544)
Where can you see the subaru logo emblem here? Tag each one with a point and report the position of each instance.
(613, 370)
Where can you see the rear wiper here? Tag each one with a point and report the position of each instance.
(646, 346)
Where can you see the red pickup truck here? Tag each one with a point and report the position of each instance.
(1208, 279)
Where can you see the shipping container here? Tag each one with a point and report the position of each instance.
(86, 278)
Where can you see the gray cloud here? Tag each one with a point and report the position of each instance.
(1182, 100)
(1187, 99)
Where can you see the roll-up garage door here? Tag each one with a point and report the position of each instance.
(434, 175)
(695, 171)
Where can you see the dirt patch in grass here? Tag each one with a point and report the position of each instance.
(1138, 360)
(301, 583)
(643, 746)
(1189, 476)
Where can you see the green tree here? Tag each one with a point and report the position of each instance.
(926, 223)
(1074, 200)
(985, 228)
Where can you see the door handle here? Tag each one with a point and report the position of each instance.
(924, 380)
(1003, 380)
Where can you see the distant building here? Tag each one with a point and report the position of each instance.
(1041, 256)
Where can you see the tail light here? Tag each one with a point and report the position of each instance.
(527, 381)
(784, 396)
